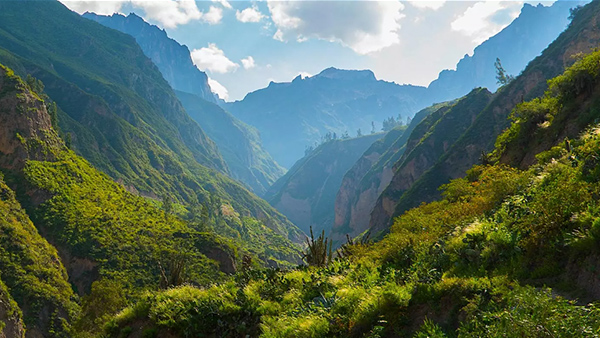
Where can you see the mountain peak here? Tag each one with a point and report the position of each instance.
(345, 74)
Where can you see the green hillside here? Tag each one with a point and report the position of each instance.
(238, 143)
(116, 111)
(107, 238)
(33, 282)
(580, 37)
(429, 140)
(505, 253)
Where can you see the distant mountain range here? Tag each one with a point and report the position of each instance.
(516, 45)
(291, 116)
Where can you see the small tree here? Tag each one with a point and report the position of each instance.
(167, 204)
(372, 127)
(358, 133)
(318, 252)
(501, 76)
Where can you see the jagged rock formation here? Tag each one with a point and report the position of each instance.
(33, 281)
(367, 179)
(306, 193)
(516, 45)
(172, 59)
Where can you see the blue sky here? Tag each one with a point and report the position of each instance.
(244, 45)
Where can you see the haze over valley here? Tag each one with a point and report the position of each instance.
(219, 168)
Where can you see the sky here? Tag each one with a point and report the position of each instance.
(244, 45)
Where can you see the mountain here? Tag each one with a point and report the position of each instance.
(505, 253)
(306, 193)
(102, 232)
(172, 59)
(115, 110)
(581, 36)
(368, 177)
(239, 144)
(517, 44)
(32, 277)
(291, 116)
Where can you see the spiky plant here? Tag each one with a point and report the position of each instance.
(346, 249)
(318, 252)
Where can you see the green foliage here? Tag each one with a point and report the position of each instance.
(502, 78)
(527, 312)
(32, 271)
(116, 111)
(448, 268)
(318, 252)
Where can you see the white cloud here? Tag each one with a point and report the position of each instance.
(373, 25)
(98, 7)
(169, 13)
(248, 62)
(213, 16)
(218, 89)
(250, 14)
(428, 4)
(478, 20)
(305, 75)
(213, 59)
(223, 3)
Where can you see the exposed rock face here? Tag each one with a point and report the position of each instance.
(582, 35)
(172, 59)
(25, 127)
(367, 179)
(306, 194)
(426, 144)
(10, 316)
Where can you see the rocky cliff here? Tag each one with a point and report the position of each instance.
(432, 138)
(368, 177)
(306, 193)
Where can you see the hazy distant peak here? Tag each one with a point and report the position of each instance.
(344, 74)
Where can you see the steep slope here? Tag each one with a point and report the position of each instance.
(306, 193)
(368, 177)
(505, 253)
(102, 232)
(239, 143)
(29, 266)
(291, 116)
(517, 44)
(172, 59)
(11, 316)
(430, 140)
(581, 36)
(117, 111)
